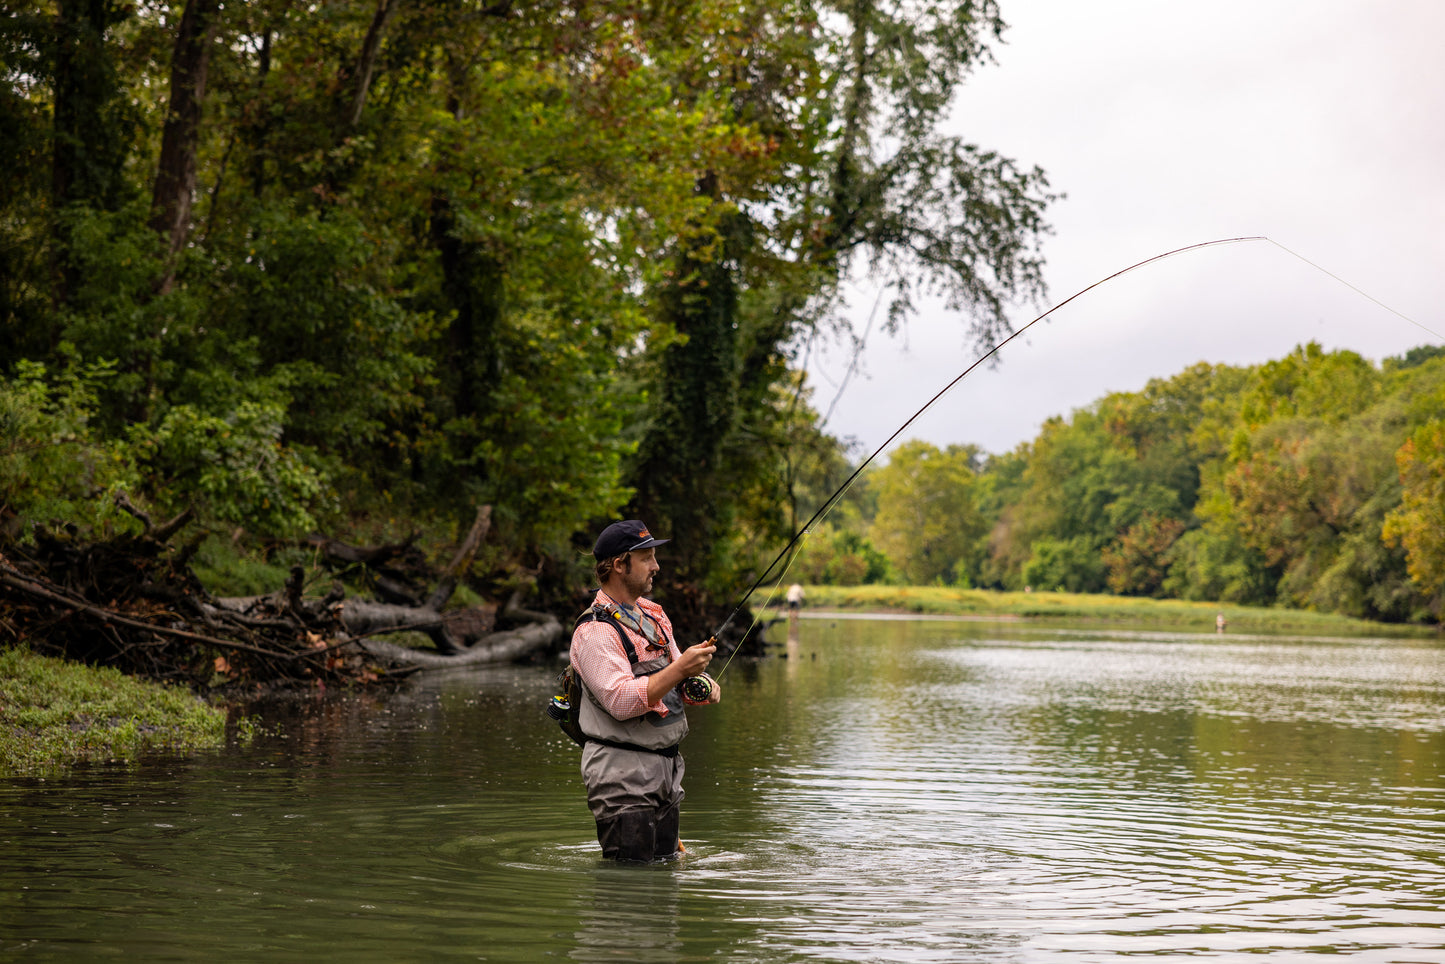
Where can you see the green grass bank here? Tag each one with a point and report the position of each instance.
(1085, 607)
(54, 714)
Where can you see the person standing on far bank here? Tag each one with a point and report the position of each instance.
(632, 710)
(795, 598)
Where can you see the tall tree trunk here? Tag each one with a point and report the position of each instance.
(175, 182)
(91, 134)
(681, 487)
(255, 123)
(366, 63)
(473, 282)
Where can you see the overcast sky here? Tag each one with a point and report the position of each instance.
(1320, 125)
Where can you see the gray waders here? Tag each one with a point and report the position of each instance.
(635, 797)
(632, 768)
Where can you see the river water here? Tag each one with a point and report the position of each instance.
(884, 790)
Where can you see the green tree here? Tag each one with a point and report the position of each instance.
(1264, 485)
(1082, 485)
(1310, 481)
(1138, 561)
(1213, 563)
(1310, 383)
(838, 557)
(52, 464)
(927, 522)
(553, 257)
(1418, 523)
(847, 102)
(1065, 565)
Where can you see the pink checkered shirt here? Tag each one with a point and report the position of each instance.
(598, 657)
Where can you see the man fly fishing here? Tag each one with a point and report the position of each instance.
(635, 685)
(636, 680)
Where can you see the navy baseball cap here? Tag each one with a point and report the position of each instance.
(622, 537)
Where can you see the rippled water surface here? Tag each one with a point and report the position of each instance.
(889, 790)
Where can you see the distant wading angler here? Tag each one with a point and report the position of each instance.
(632, 709)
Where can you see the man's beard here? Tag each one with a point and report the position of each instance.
(637, 583)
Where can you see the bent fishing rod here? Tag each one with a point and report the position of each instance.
(837, 495)
(833, 499)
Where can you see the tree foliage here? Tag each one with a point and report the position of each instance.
(1418, 523)
(927, 521)
(348, 260)
(1311, 481)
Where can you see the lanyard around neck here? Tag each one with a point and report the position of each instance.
(640, 621)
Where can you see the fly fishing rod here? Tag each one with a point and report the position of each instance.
(833, 499)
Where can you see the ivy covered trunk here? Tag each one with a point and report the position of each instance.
(681, 480)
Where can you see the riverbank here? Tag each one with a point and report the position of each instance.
(1086, 607)
(55, 713)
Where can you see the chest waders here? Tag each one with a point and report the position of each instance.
(652, 731)
(639, 821)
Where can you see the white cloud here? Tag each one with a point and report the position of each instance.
(1319, 125)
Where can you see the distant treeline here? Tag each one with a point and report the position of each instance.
(363, 265)
(1314, 481)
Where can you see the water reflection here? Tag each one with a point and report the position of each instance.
(630, 914)
(1162, 791)
(900, 791)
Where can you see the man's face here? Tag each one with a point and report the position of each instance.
(638, 569)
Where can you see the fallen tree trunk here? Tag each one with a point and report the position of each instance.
(453, 633)
(503, 647)
(133, 602)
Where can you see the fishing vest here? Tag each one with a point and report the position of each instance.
(651, 731)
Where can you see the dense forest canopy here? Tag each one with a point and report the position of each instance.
(346, 263)
(363, 267)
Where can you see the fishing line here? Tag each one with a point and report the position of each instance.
(838, 494)
(1362, 293)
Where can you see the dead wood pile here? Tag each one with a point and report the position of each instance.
(133, 602)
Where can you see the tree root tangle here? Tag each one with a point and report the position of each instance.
(133, 602)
